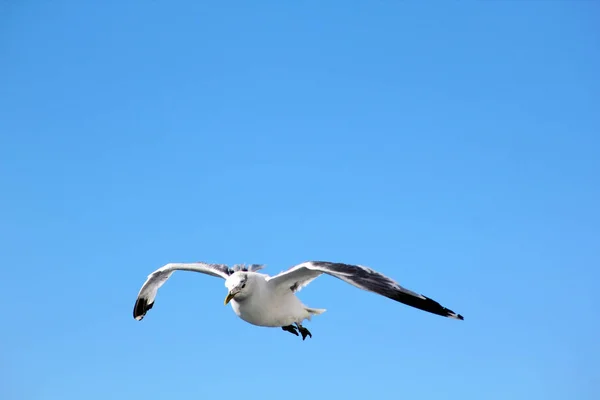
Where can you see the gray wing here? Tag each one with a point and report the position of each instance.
(156, 279)
(363, 278)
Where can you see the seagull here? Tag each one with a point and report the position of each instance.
(271, 301)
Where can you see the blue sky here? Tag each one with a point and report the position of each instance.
(453, 146)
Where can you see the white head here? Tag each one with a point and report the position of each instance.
(239, 285)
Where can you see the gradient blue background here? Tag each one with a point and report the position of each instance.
(451, 145)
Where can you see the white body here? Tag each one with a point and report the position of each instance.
(265, 305)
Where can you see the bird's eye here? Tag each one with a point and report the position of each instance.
(243, 286)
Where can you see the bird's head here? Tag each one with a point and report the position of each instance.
(238, 285)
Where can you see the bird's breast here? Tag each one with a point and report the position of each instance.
(264, 312)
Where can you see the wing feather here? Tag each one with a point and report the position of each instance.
(361, 277)
(147, 294)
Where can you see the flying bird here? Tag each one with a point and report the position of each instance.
(271, 301)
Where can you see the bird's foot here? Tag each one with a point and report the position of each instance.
(303, 331)
(290, 329)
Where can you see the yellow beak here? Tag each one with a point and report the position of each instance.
(229, 297)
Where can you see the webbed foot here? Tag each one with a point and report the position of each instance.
(290, 329)
(303, 331)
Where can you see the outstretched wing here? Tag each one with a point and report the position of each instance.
(363, 278)
(147, 294)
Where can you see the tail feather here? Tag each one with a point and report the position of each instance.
(315, 311)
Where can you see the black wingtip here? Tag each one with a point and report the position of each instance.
(426, 304)
(450, 314)
(437, 308)
(141, 308)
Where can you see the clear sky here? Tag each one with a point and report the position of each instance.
(454, 146)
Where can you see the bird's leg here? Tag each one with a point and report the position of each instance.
(303, 331)
(290, 329)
